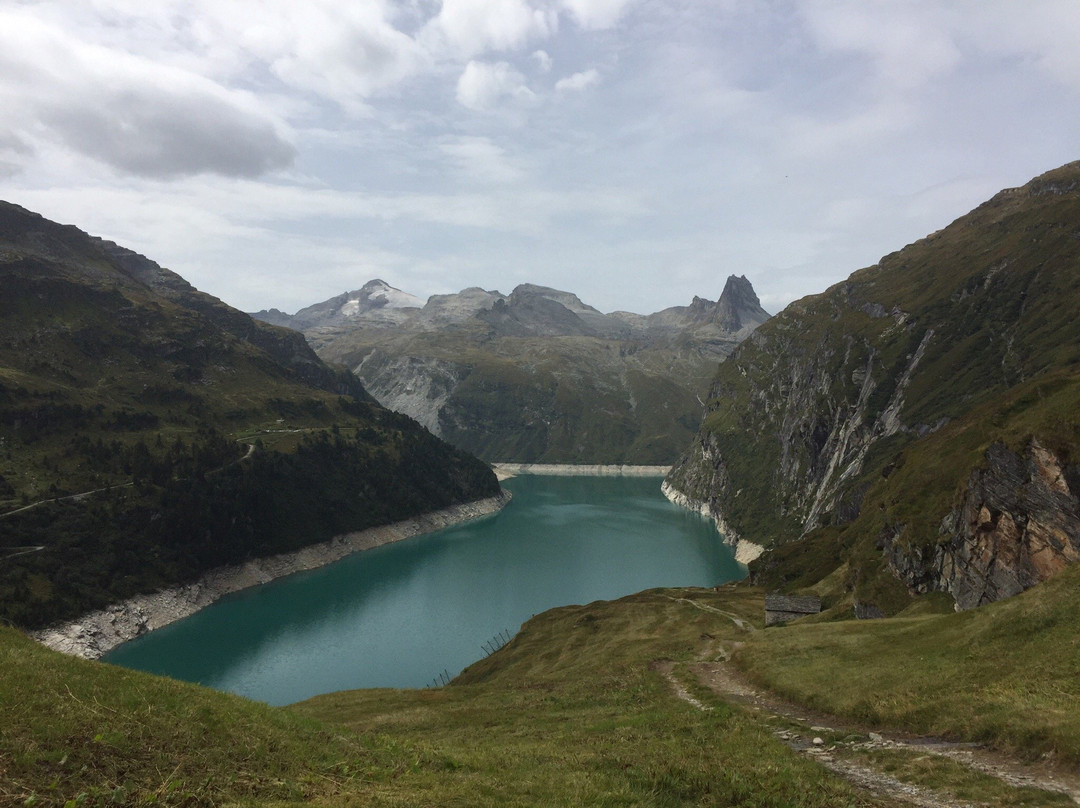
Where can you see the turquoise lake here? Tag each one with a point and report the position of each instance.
(399, 615)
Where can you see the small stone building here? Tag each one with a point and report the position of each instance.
(782, 608)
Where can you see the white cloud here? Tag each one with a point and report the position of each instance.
(542, 59)
(345, 52)
(482, 85)
(1045, 33)
(910, 43)
(477, 158)
(913, 42)
(128, 111)
(468, 28)
(578, 81)
(594, 14)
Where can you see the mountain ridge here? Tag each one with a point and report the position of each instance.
(149, 432)
(737, 308)
(910, 370)
(541, 376)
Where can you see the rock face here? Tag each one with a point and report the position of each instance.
(538, 375)
(745, 551)
(1018, 524)
(966, 333)
(785, 608)
(420, 387)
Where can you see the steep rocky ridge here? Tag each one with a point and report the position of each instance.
(149, 432)
(916, 362)
(540, 376)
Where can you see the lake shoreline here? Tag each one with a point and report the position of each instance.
(98, 632)
(505, 471)
(745, 551)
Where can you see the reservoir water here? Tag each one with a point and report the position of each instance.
(400, 614)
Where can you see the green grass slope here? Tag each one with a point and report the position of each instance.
(579, 709)
(81, 733)
(571, 713)
(1007, 673)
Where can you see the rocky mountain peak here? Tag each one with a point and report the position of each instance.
(378, 294)
(739, 290)
(739, 306)
(538, 311)
(442, 310)
(701, 311)
(568, 300)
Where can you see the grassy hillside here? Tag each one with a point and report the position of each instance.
(581, 708)
(855, 418)
(1007, 673)
(148, 432)
(99, 735)
(569, 714)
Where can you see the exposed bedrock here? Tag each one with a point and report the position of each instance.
(1018, 523)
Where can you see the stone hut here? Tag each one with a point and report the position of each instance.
(782, 608)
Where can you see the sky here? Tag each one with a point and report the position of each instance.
(635, 152)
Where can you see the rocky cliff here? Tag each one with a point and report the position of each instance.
(1017, 523)
(918, 360)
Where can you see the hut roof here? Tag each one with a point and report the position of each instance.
(803, 604)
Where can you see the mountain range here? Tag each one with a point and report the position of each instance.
(535, 375)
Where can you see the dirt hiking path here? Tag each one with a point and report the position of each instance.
(846, 748)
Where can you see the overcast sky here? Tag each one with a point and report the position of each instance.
(636, 152)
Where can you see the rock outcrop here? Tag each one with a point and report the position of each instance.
(1017, 525)
(745, 551)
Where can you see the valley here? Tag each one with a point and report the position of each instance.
(539, 404)
(902, 446)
